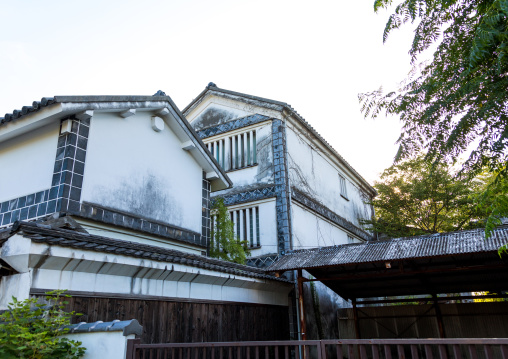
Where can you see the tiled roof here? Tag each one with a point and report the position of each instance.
(138, 100)
(436, 245)
(213, 87)
(127, 327)
(25, 110)
(71, 238)
(47, 101)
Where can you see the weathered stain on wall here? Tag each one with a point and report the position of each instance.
(264, 156)
(134, 169)
(321, 305)
(145, 195)
(313, 173)
(215, 115)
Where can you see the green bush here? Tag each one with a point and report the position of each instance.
(32, 330)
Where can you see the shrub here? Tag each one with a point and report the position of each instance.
(29, 329)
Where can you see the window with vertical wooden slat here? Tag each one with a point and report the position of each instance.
(235, 151)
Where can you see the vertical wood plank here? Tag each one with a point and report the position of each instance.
(504, 351)
(488, 351)
(388, 351)
(414, 352)
(428, 352)
(350, 350)
(363, 352)
(472, 351)
(442, 351)
(400, 352)
(456, 352)
(375, 351)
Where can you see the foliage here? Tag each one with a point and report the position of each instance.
(458, 101)
(224, 244)
(416, 197)
(487, 300)
(494, 201)
(32, 330)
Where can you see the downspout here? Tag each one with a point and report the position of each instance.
(295, 273)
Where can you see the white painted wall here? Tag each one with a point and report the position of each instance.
(311, 230)
(16, 285)
(313, 172)
(105, 230)
(110, 345)
(27, 162)
(54, 267)
(213, 110)
(132, 168)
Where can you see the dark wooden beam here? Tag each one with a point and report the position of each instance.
(303, 326)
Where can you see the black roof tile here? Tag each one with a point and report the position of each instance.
(74, 239)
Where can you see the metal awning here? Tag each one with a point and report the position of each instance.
(452, 262)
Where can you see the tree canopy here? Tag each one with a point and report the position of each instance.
(416, 197)
(457, 103)
(459, 98)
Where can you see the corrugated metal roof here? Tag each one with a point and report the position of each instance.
(436, 245)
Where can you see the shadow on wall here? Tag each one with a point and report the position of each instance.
(321, 311)
(145, 195)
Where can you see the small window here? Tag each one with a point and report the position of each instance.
(235, 152)
(343, 189)
(246, 225)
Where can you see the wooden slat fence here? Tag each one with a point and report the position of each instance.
(469, 348)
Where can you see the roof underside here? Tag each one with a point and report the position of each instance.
(445, 263)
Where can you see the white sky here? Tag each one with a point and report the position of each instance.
(315, 55)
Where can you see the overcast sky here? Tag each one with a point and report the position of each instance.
(315, 55)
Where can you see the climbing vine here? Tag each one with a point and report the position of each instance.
(224, 244)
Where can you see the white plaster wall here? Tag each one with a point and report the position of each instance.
(105, 230)
(217, 109)
(16, 285)
(132, 168)
(312, 172)
(27, 162)
(311, 230)
(79, 270)
(110, 345)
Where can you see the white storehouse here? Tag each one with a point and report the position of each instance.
(291, 189)
(109, 197)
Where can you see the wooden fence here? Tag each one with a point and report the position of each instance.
(326, 349)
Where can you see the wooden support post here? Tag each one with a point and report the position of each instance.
(355, 318)
(303, 329)
(439, 317)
